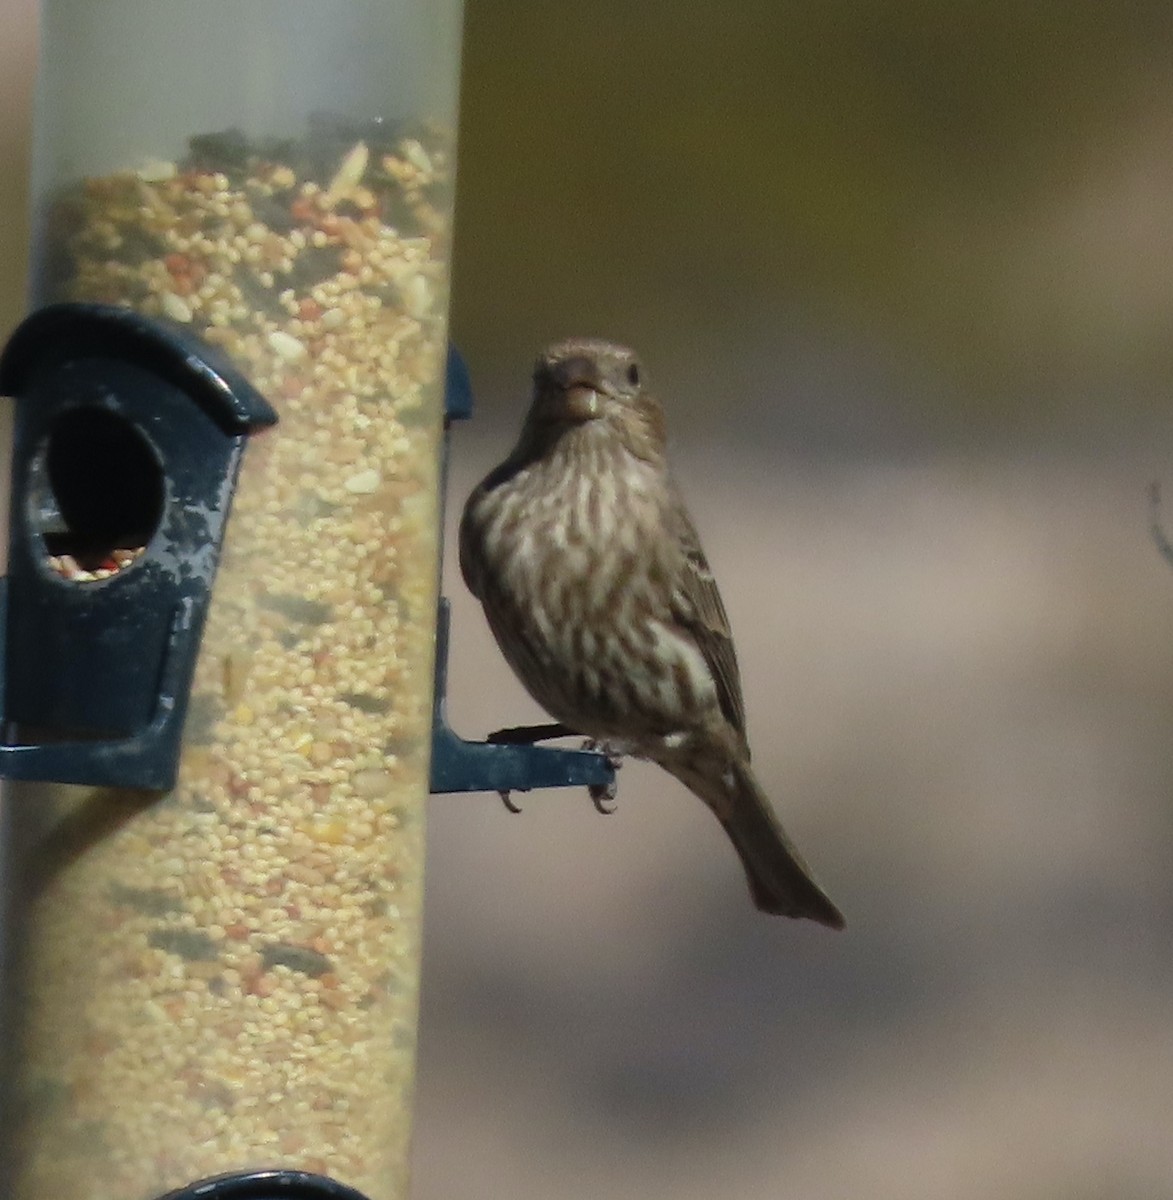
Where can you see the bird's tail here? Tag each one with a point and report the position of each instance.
(779, 880)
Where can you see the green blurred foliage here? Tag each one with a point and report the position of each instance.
(896, 165)
(976, 192)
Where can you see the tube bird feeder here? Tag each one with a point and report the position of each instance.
(213, 963)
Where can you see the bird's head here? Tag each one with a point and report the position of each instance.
(585, 380)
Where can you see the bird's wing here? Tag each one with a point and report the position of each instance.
(470, 558)
(697, 605)
(472, 524)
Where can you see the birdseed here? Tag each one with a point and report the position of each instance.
(226, 977)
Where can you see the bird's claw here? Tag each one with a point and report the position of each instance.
(603, 794)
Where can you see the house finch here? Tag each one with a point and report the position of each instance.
(598, 593)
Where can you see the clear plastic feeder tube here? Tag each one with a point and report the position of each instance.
(225, 978)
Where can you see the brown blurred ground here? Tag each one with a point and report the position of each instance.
(960, 683)
(903, 273)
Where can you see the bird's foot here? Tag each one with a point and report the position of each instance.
(524, 735)
(613, 752)
(603, 794)
(602, 797)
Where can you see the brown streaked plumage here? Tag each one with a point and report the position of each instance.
(596, 588)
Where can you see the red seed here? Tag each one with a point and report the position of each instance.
(303, 210)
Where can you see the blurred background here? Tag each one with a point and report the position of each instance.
(903, 274)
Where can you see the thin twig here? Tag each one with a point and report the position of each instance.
(1155, 527)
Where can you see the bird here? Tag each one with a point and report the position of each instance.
(595, 586)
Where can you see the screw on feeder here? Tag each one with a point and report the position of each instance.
(508, 761)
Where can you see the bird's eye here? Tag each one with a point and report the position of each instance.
(633, 375)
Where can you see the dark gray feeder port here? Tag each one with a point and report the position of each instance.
(127, 443)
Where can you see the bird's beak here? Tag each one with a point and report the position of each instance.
(577, 385)
(580, 371)
(581, 403)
